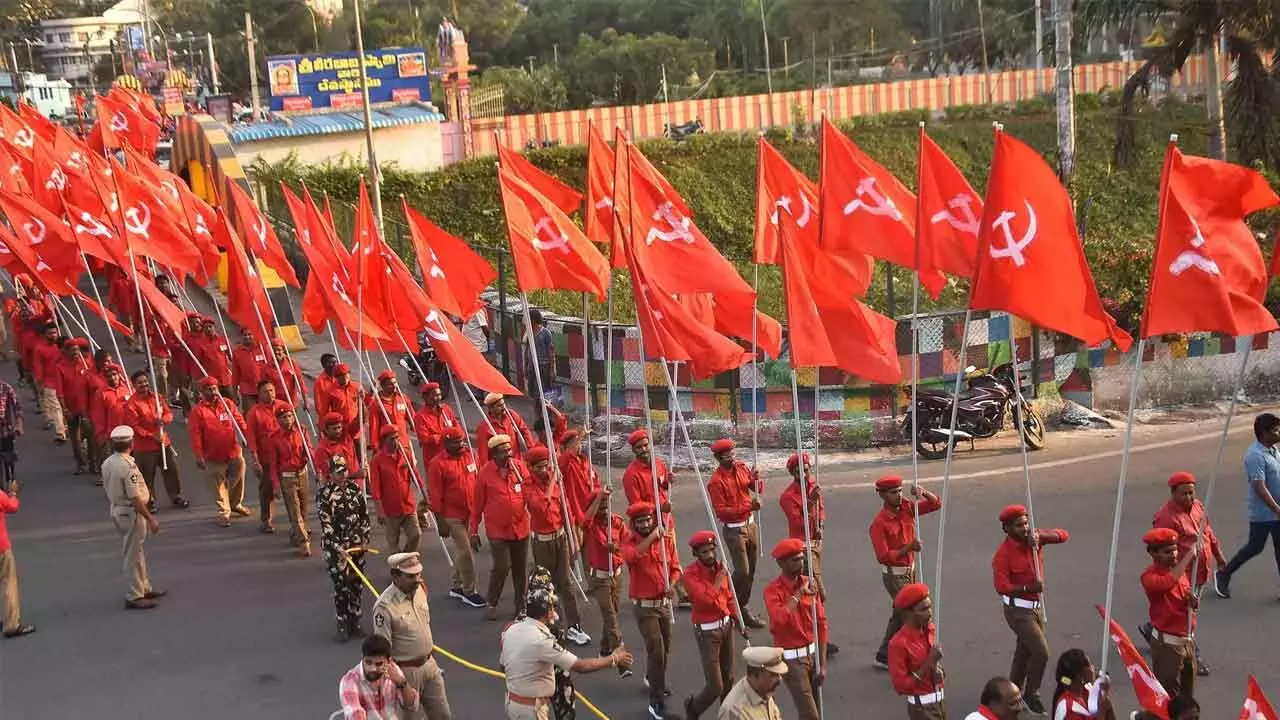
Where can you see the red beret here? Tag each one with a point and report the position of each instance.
(888, 482)
(702, 537)
(208, 382)
(455, 432)
(537, 455)
(333, 418)
(113, 367)
(1160, 536)
(636, 437)
(388, 431)
(277, 344)
(341, 369)
(1181, 478)
(567, 436)
(788, 547)
(82, 343)
(722, 445)
(1012, 512)
(429, 386)
(386, 375)
(793, 462)
(283, 408)
(910, 596)
(639, 509)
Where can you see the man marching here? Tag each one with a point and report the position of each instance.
(451, 482)
(793, 508)
(915, 660)
(500, 502)
(651, 586)
(287, 454)
(387, 408)
(637, 483)
(735, 492)
(431, 422)
(792, 600)
(551, 539)
(714, 622)
(602, 533)
(893, 537)
(344, 532)
(148, 414)
(1173, 606)
(502, 421)
(260, 424)
(1018, 573)
(391, 484)
(212, 427)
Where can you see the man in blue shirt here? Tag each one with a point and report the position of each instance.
(1262, 467)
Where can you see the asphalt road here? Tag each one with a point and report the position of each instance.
(247, 631)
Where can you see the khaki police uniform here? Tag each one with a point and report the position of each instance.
(743, 702)
(123, 483)
(530, 655)
(406, 622)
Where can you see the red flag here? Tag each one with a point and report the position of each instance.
(247, 301)
(1151, 694)
(453, 274)
(52, 243)
(464, 361)
(39, 124)
(948, 211)
(1208, 274)
(17, 134)
(161, 306)
(121, 124)
(1256, 706)
(192, 213)
(260, 236)
(95, 237)
(329, 285)
(548, 249)
(311, 237)
(48, 180)
(136, 101)
(150, 227)
(599, 214)
(561, 195)
(20, 256)
(1030, 260)
(13, 174)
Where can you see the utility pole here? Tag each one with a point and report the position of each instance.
(1039, 48)
(1065, 90)
(1213, 98)
(786, 57)
(986, 69)
(213, 64)
(253, 65)
(375, 175)
(768, 65)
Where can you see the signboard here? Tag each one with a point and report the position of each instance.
(219, 107)
(332, 80)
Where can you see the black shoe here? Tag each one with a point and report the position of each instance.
(475, 600)
(180, 502)
(658, 711)
(19, 631)
(624, 672)
(879, 663)
(1222, 584)
(140, 604)
(832, 649)
(1034, 706)
(1201, 669)
(343, 634)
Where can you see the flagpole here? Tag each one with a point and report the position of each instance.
(756, 380)
(151, 365)
(915, 357)
(808, 538)
(84, 321)
(672, 400)
(1026, 473)
(936, 591)
(288, 396)
(586, 383)
(608, 417)
(97, 294)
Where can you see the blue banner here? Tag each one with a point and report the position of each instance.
(332, 80)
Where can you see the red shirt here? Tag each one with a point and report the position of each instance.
(247, 368)
(637, 482)
(1012, 565)
(1185, 523)
(140, 414)
(451, 485)
(289, 387)
(215, 356)
(107, 410)
(430, 423)
(212, 427)
(793, 629)
(394, 410)
(789, 500)
(645, 567)
(323, 382)
(8, 504)
(891, 531)
(710, 592)
(546, 504)
(730, 492)
(512, 426)
(73, 386)
(324, 451)
(182, 360)
(45, 359)
(580, 483)
(286, 451)
(261, 423)
(908, 649)
(596, 538)
(1168, 598)
(342, 400)
(160, 337)
(391, 483)
(499, 500)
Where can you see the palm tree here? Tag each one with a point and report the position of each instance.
(1252, 34)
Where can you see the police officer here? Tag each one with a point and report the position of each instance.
(752, 697)
(531, 653)
(402, 616)
(128, 495)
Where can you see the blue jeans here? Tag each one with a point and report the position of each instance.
(1258, 532)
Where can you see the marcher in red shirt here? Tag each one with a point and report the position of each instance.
(580, 479)
(45, 356)
(214, 356)
(893, 538)
(342, 397)
(1173, 606)
(286, 376)
(432, 420)
(160, 338)
(260, 424)
(149, 415)
(212, 426)
(324, 381)
(248, 366)
(107, 406)
(794, 510)
(500, 420)
(391, 482)
(551, 543)
(388, 407)
(653, 569)
(715, 621)
(602, 532)
(73, 372)
(285, 453)
(791, 601)
(335, 441)
(182, 365)
(1018, 572)
(637, 483)
(915, 660)
(500, 502)
(735, 491)
(451, 481)
(11, 621)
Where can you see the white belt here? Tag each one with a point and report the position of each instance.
(653, 604)
(744, 523)
(931, 699)
(1020, 602)
(715, 625)
(898, 570)
(548, 537)
(1171, 639)
(294, 474)
(797, 653)
(604, 574)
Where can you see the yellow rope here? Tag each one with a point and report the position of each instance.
(464, 663)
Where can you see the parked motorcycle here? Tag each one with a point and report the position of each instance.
(680, 131)
(983, 407)
(428, 361)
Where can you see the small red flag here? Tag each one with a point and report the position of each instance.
(1256, 705)
(547, 185)
(247, 301)
(17, 134)
(52, 243)
(548, 249)
(123, 124)
(260, 237)
(948, 212)
(453, 275)
(600, 195)
(313, 241)
(1151, 694)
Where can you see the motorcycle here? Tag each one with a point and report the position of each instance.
(680, 131)
(428, 361)
(981, 414)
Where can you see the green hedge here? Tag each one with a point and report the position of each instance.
(716, 174)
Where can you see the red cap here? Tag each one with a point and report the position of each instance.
(638, 509)
(388, 431)
(341, 368)
(793, 462)
(333, 418)
(283, 408)
(386, 375)
(454, 432)
(788, 547)
(115, 367)
(208, 382)
(566, 437)
(82, 343)
(702, 537)
(1012, 512)
(636, 437)
(722, 445)
(1181, 478)
(537, 455)
(1158, 537)
(277, 344)
(888, 482)
(429, 386)
(910, 596)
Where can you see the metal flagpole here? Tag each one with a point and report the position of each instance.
(288, 396)
(586, 377)
(915, 390)
(808, 540)
(608, 420)
(755, 398)
(97, 295)
(936, 590)
(84, 322)
(146, 344)
(1026, 474)
(653, 463)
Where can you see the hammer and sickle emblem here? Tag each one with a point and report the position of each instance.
(1013, 248)
(24, 138)
(1251, 711)
(57, 180)
(88, 225)
(201, 228)
(559, 241)
(119, 122)
(1188, 259)
(434, 327)
(35, 230)
(784, 203)
(137, 220)
(76, 161)
(879, 205)
(169, 187)
(604, 203)
(260, 231)
(966, 224)
(436, 271)
(338, 287)
(678, 223)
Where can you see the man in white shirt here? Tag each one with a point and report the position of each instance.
(1001, 700)
(476, 330)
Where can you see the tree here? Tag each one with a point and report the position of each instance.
(542, 90)
(627, 70)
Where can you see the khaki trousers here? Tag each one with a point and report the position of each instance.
(464, 561)
(294, 490)
(428, 680)
(1175, 666)
(655, 628)
(742, 546)
(403, 533)
(716, 648)
(228, 485)
(518, 711)
(76, 435)
(936, 711)
(9, 592)
(605, 593)
(266, 495)
(554, 556)
(161, 365)
(52, 410)
(1031, 654)
(801, 682)
(149, 463)
(509, 556)
(892, 584)
(133, 527)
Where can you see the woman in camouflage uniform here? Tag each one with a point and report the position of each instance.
(344, 527)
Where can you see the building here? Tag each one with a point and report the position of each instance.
(51, 96)
(71, 47)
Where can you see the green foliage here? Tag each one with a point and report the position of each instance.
(542, 90)
(627, 69)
